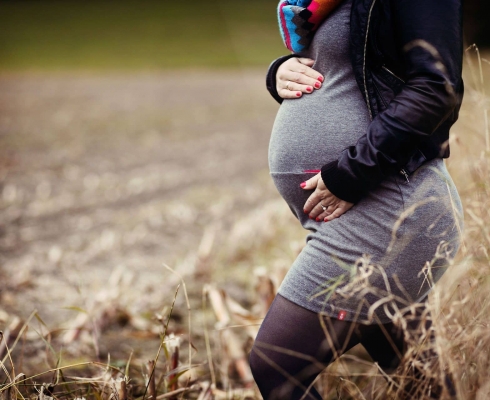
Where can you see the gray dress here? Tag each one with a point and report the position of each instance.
(387, 251)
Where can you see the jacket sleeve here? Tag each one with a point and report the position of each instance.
(270, 79)
(429, 37)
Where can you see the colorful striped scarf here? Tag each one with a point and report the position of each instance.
(299, 19)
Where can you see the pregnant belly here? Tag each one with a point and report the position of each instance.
(313, 130)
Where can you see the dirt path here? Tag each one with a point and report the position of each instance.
(126, 171)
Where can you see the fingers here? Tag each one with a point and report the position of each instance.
(322, 205)
(298, 78)
(313, 206)
(306, 61)
(325, 213)
(293, 87)
(321, 193)
(341, 209)
(289, 89)
(332, 211)
(303, 67)
(318, 212)
(311, 183)
(295, 77)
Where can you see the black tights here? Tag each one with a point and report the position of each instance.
(292, 348)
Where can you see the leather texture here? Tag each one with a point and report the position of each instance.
(407, 59)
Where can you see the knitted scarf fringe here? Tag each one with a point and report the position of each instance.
(299, 19)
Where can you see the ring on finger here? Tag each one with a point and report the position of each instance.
(287, 85)
(323, 207)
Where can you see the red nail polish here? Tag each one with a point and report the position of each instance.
(306, 212)
(309, 89)
(298, 94)
(320, 78)
(318, 220)
(317, 85)
(303, 184)
(325, 220)
(311, 217)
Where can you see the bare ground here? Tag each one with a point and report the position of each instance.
(103, 178)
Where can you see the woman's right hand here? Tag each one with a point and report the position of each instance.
(295, 77)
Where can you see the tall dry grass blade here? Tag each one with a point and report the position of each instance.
(207, 391)
(18, 336)
(194, 388)
(150, 368)
(239, 393)
(459, 220)
(128, 363)
(173, 346)
(234, 354)
(10, 334)
(293, 381)
(404, 215)
(206, 338)
(4, 368)
(14, 392)
(66, 367)
(482, 89)
(121, 388)
(265, 290)
(43, 396)
(348, 388)
(216, 299)
(188, 304)
(162, 341)
(15, 330)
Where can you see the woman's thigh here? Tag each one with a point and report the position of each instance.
(293, 346)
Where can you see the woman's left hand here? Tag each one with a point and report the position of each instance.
(334, 207)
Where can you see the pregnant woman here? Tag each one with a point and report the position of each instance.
(367, 100)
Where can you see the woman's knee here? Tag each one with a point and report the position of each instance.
(282, 379)
(267, 378)
(258, 365)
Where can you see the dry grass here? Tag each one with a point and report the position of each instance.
(196, 343)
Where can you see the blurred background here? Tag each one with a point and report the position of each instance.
(135, 35)
(127, 35)
(134, 134)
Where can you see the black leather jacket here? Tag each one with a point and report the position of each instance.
(407, 59)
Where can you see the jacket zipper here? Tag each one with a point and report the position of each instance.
(364, 59)
(402, 171)
(405, 174)
(392, 73)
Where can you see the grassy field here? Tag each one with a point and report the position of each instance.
(148, 34)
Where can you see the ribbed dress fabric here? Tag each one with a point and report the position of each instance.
(401, 227)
